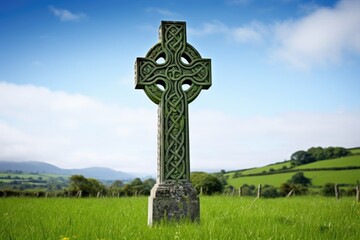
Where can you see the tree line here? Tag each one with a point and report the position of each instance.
(317, 154)
(205, 184)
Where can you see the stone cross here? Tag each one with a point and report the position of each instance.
(172, 75)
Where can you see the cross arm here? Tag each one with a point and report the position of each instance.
(147, 75)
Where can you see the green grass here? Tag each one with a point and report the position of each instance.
(355, 151)
(44, 176)
(339, 177)
(338, 162)
(221, 218)
(319, 178)
(274, 179)
(266, 168)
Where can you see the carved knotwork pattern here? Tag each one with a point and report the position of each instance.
(173, 101)
(175, 166)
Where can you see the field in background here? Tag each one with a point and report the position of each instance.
(319, 177)
(222, 217)
(275, 166)
(337, 162)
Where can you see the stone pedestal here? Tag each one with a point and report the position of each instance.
(173, 201)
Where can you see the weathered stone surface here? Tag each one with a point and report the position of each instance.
(172, 74)
(173, 201)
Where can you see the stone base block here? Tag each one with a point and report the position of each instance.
(173, 201)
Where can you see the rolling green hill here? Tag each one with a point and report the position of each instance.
(318, 178)
(276, 166)
(316, 171)
(337, 162)
(355, 151)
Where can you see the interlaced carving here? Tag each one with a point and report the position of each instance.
(182, 65)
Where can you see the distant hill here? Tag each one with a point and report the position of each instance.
(100, 173)
(344, 170)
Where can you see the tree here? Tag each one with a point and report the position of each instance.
(207, 182)
(299, 178)
(269, 191)
(128, 190)
(117, 184)
(78, 183)
(236, 174)
(88, 186)
(221, 177)
(302, 157)
(96, 186)
(317, 152)
(328, 190)
(286, 188)
(148, 185)
(299, 189)
(137, 186)
(320, 153)
(340, 152)
(247, 190)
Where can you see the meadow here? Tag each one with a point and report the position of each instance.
(318, 178)
(276, 166)
(222, 217)
(337, 162)
(353, 160)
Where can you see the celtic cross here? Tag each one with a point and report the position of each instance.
(172, 75)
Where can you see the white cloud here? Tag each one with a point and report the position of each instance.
(320, 38)
(324, 36)
(249, 33)
(229, 142)
(66, 15)
(73, 131)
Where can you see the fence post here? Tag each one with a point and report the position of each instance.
(259, 191)
(337, 194)
(240, 191)
(358, 192)
(291, 192)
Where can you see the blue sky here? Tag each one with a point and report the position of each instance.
(285, 78)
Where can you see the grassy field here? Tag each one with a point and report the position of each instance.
(355, 151)
(44, 176)
(338, 162)
(266, 168)
(221, 218)
(318, 178)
